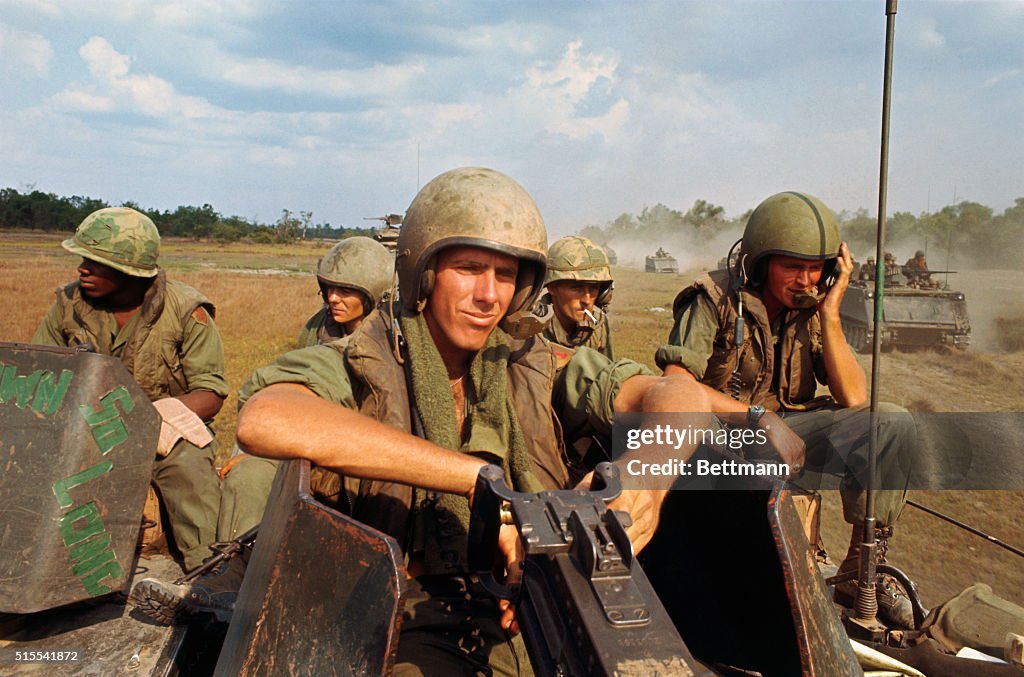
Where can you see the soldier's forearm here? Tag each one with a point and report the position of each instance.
(289, 421)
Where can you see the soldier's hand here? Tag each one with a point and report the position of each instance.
(844, 269)
(644, 508)
(512, 551)
(786, 443)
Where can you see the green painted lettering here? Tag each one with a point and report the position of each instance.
(91, 554)
(109, 434)
(92, 581)
(50, 395)
(93, 524)
(62, 488)
(108, 411)
(17, 388)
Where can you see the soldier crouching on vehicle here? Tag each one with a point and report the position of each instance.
(768, 378)
(579, 289)
(353, 276)
(163, 331)
(472, 249)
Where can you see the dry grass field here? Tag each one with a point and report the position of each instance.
(265, 293)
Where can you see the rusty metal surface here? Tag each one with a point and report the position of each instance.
(77, 438)
(322, 594)
(107, 637)
(823, 644)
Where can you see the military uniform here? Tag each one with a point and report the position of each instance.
(442, 628)
(578, 259)
(171, 347)
(600, 339)
(782, 365)
(320, 328)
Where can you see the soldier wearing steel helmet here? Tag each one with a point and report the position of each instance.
(917, 273)
(472, 250)
(353, 277)
(787, 285)
(579, 289)
(164, 333)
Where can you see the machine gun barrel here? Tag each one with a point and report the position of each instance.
(585, 606)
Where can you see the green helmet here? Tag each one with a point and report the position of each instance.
(119, 237)
(791, 224)
(577, 258)
(359, 263)
(477, 207)
(919, 254)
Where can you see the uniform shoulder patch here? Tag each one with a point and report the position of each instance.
(201, 316)
(562, 355)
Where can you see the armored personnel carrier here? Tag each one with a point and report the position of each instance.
(661, 262)
(387, 234)
(913, 317)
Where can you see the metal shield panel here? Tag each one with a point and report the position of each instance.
(77, 438)
(322, 595)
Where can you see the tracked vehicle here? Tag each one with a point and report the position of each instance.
(661, 262)
(912, 317)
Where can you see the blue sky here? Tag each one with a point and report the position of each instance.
(599, 108)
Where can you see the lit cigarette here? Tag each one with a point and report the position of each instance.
(589, 314)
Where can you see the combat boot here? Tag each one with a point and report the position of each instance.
(894, 606)
(214, 592)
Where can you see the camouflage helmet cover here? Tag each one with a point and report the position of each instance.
(119, 237)
(477, 207)
(359, 263)
(792, 224)
(577, 258)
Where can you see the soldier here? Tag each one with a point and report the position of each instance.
(579, 288)
(793, 340)
(892, 271)
(916, 271)
(353, 276)
(473, 247)
(163, 331)
(867, 271)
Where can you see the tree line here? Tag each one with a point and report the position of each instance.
(36, 210)
(973, 231)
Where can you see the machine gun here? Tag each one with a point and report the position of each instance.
(585, 606)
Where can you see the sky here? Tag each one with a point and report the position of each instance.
(345, 109)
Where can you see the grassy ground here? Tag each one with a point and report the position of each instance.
(265, 293)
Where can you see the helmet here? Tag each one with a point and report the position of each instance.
(577, 258)
(871, 259)
(890, 257)
(919, 254)
(359, 263)
(119, 237)
(477, 207)
(791, 224)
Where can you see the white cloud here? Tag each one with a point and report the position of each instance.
(115, 87)
(103, 60)
(41, 6)
(271, 74)
(24, 53)
(83, 101)
(926, 34)
(557, 94)
(1000, 77)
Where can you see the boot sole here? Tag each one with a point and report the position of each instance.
(159, 605)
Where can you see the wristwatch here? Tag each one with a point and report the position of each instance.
(754, 415)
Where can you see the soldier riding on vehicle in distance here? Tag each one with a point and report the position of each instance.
(917, 273)
(353, 277)
(579, 289)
